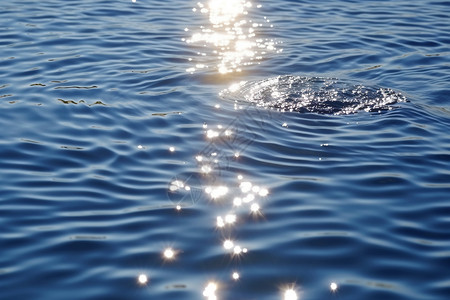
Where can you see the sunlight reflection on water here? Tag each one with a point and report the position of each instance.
(231, 38)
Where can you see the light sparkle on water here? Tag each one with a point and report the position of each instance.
(142, 279)
(169, 254)
(290, 294)
(228, 244)
(333, 287)
(235, 275)
(229, 35)
(210, 291)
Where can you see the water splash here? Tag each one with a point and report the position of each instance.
(313, 94)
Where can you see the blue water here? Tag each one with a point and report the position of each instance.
(117, 143)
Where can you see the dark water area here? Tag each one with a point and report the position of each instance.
(125, 173)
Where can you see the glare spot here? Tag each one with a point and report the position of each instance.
(220, 222)
(244, 250)
(235, 275)
(211, 134)
(206, 169)
(290, 294)
(248, 198)
(228, 36)
(254, 208)
(171, 149)
(263, 192)
(176, 185)
(199, 158)
(236, 154)
(140, 147)
(237, 250)
(142, 279)
(240, 177)
(178, 207)
(333, 286)
(210, 291)
(187, 188)
(237, 201)
(236, 86)
(228, 244)
(285, 124)
(245, 186)
(216, 192)
(205, 125)
(217, 106)
(230, 218)
(169, 253)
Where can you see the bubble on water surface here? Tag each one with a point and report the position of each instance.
(314, 95)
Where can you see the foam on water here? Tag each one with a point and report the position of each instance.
(313, 94)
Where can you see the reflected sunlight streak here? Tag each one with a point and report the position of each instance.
(230, 36)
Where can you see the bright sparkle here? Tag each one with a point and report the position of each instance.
(220, 222)
(169, 253)
(210, 291)
(290, 294)
(255, 207)
(230, 218)
(229, 36)
(228, 244)
(171, 149)
(206, 169)
(216, 192)
(212, 133)
(245, 186)
(235, 275)
(142, 279)
(176, 185)
(333, 286)
(248, 198)
(263, 192)
(237, 201)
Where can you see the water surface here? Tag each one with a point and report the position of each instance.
(117, 144)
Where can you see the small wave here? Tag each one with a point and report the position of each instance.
(313, 94)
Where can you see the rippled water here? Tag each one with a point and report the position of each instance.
(126, 173)
(315, 95)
